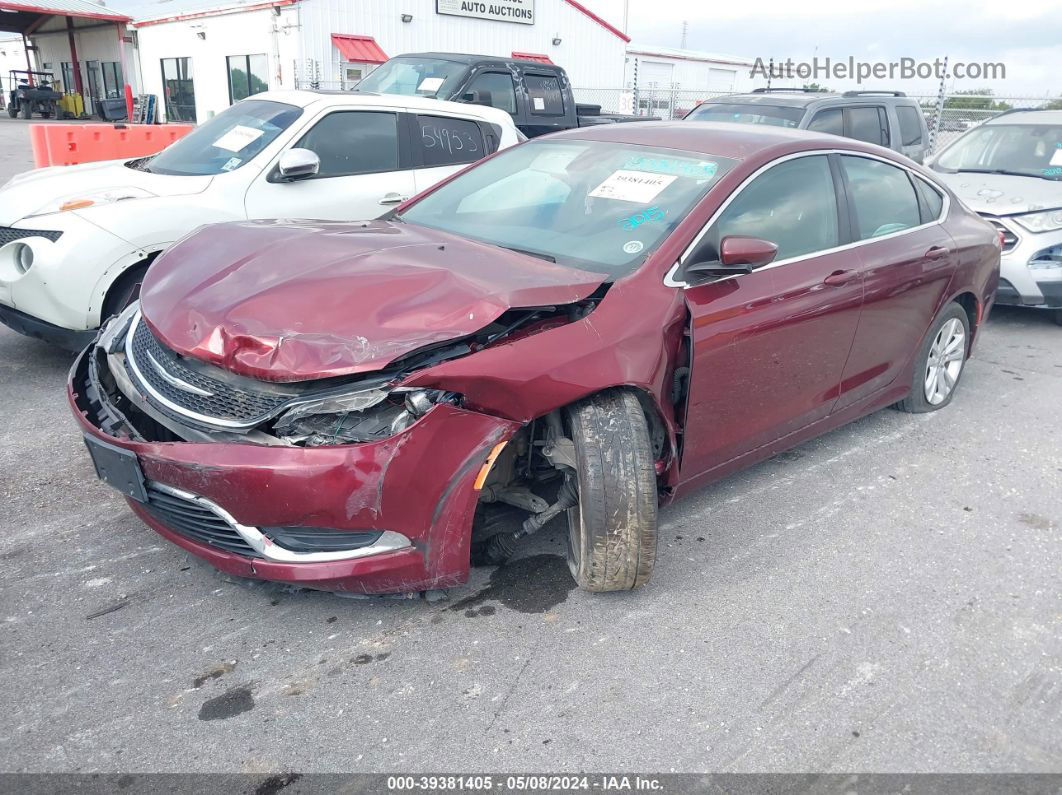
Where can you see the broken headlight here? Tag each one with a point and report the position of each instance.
(364, 416)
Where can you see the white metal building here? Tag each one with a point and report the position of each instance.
(198, 56)
(671, 81)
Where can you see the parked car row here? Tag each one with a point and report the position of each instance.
(579, 328)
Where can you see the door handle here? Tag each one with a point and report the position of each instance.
(393, 198)
(936, 252)
(839, 278)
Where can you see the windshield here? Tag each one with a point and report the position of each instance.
(598, 206)
(1033, 150)
(775, 115)
(227, 141)
(415, 77)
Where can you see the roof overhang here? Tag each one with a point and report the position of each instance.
(26, 18)
(358, 49)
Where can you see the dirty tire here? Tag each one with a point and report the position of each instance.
(915, 402)
(12, 110)
(26, 111)
(612, 531)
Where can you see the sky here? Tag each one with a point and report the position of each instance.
(1024, 35)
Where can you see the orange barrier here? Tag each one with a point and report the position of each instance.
(70, 144)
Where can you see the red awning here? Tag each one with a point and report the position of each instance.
(531, 56)
(358, 49)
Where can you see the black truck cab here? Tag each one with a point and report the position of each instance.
(537, 95)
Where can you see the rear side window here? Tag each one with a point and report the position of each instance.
(910, 125)
(828, 121)
(545, 95)
(354, 142)
(932, 200)
(446, 141)
(793, 205)
(883, 197)
(868, 124)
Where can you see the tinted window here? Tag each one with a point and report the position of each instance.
(932, 200)
(447, 141)
(868, 124)
(882, 196)
(545, 94)
(494, 89)
(415, 77)
(828, 121)
(793, 205)
(354, 142)
(910, 125)
(776, 115)
(227, 141)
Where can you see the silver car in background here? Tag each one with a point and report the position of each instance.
(1009, 171)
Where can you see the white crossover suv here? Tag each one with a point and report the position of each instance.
(1009, 171)
(75, 241)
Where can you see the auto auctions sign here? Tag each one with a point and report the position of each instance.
(522, 11)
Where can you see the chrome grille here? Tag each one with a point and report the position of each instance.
(202, 397)
(1010, 239)
(195, 521)
(9, 233)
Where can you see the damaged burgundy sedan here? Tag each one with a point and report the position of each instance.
(585, 326)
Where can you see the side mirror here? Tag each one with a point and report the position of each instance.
(737, 255)
(298, 164)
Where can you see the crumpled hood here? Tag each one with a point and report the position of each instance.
(30, 191)
(300, 300)
(1004, 194)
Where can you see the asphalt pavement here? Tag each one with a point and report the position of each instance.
(887, 598)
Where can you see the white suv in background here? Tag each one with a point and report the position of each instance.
(75, 240)
(1009, 170)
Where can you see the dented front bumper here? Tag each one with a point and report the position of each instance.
(418, 485)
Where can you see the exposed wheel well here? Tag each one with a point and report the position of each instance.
(968, 301)
(133, 273)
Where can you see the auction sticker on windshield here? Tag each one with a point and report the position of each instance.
(632, 186)
(238, 138)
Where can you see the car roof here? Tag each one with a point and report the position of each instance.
(720, 139)
(1028, 116)
(797, 99)
(303, 99)
(470, 59)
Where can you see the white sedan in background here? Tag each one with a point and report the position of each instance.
(75, 241)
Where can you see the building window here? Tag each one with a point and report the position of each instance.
(69, 82)
(112, 79)
(178, 89)
(248, 74)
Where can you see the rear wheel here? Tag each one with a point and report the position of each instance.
(940, 362)
(12, 110)
(612, 528)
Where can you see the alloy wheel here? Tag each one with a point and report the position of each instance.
(946, 358)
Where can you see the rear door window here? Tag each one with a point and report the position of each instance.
(867, 124)
(883, 198)
(445, 141)
(545, 95)
(910, 125)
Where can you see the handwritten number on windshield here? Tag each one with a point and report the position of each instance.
(452, 141)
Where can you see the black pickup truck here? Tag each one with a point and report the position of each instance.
(537, 95)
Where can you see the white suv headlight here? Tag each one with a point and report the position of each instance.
(80, 201)
(1046, 221)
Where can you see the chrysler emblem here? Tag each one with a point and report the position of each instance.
(184, 386)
